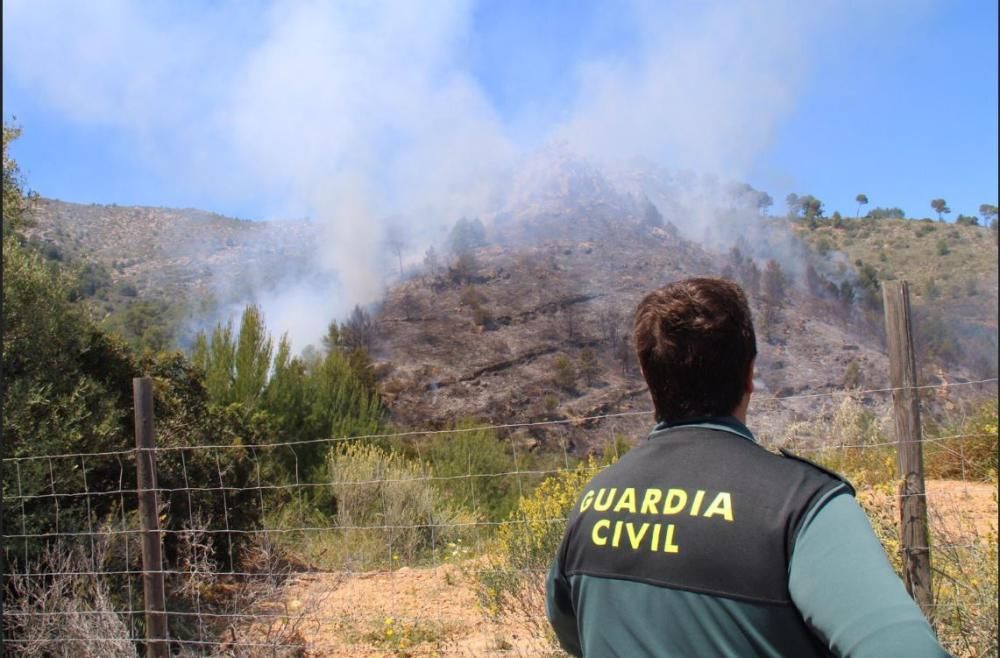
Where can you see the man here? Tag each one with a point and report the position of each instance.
(699, 542)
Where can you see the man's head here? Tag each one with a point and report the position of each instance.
(696, 345)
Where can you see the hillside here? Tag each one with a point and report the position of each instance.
(536, 331)
(149, 272)
(530, 323)
(952, 270)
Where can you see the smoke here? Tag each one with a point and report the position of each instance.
(352, 113)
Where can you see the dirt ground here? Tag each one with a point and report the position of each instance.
(434, 611)
(406, 612)
(962, 510)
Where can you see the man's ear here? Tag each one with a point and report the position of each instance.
(748, 385)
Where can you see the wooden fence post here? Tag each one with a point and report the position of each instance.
(914, 535)
(157, 645)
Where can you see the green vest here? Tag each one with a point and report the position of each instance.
(682, 548)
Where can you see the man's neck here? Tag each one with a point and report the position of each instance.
(740, 412)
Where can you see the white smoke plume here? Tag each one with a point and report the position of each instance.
(351, 113)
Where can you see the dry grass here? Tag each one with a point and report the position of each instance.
(68, 611)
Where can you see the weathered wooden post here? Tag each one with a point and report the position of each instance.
(914, 535)
(157, 645)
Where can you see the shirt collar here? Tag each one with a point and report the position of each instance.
(724, 423)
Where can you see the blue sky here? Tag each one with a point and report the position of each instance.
(131, 103)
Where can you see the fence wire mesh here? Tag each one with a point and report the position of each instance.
(386, 554)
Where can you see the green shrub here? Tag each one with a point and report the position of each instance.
(513, 581)
(853, 376)
(564, 375)
(386, 508)
(472, 469)
(972, 452)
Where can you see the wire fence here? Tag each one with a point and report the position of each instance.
(381, 555)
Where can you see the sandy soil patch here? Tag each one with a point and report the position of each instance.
(434, 611)
(962, 510)
(406, 612)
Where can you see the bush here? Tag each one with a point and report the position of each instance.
(127, 290)
(481, 317)
(853, 377)
(513, 582)
(589, 366)
(487, 490)
(564, 375)
(965, 596)
(72, 603)
(858, 449)
(471, 297)
(971, 454)
(386, 508)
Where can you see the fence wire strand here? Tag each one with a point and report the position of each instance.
(256, 590)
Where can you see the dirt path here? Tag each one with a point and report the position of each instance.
(434, 611)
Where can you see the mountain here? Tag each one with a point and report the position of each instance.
(553, 294)
(151, 273)
(529, 324)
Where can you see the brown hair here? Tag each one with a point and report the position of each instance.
(696, 343)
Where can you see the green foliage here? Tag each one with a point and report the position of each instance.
(793, 203)
(358, 331)
(886, 213)
(297, 399)
(66, 387)
(853, 378)
(806, 206)
(564, 374)
(589, 366)
(942, 247)
(940, 206)
(513, 580)
(146, 324)
(868, 282)
(988, 212)
(971, 454)
(387, 510)
(236, 368)
(862, 200)
(68, 390)
(252, 358)
(472, 468)
(94, 280)
(311, 399)
(14, 199)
